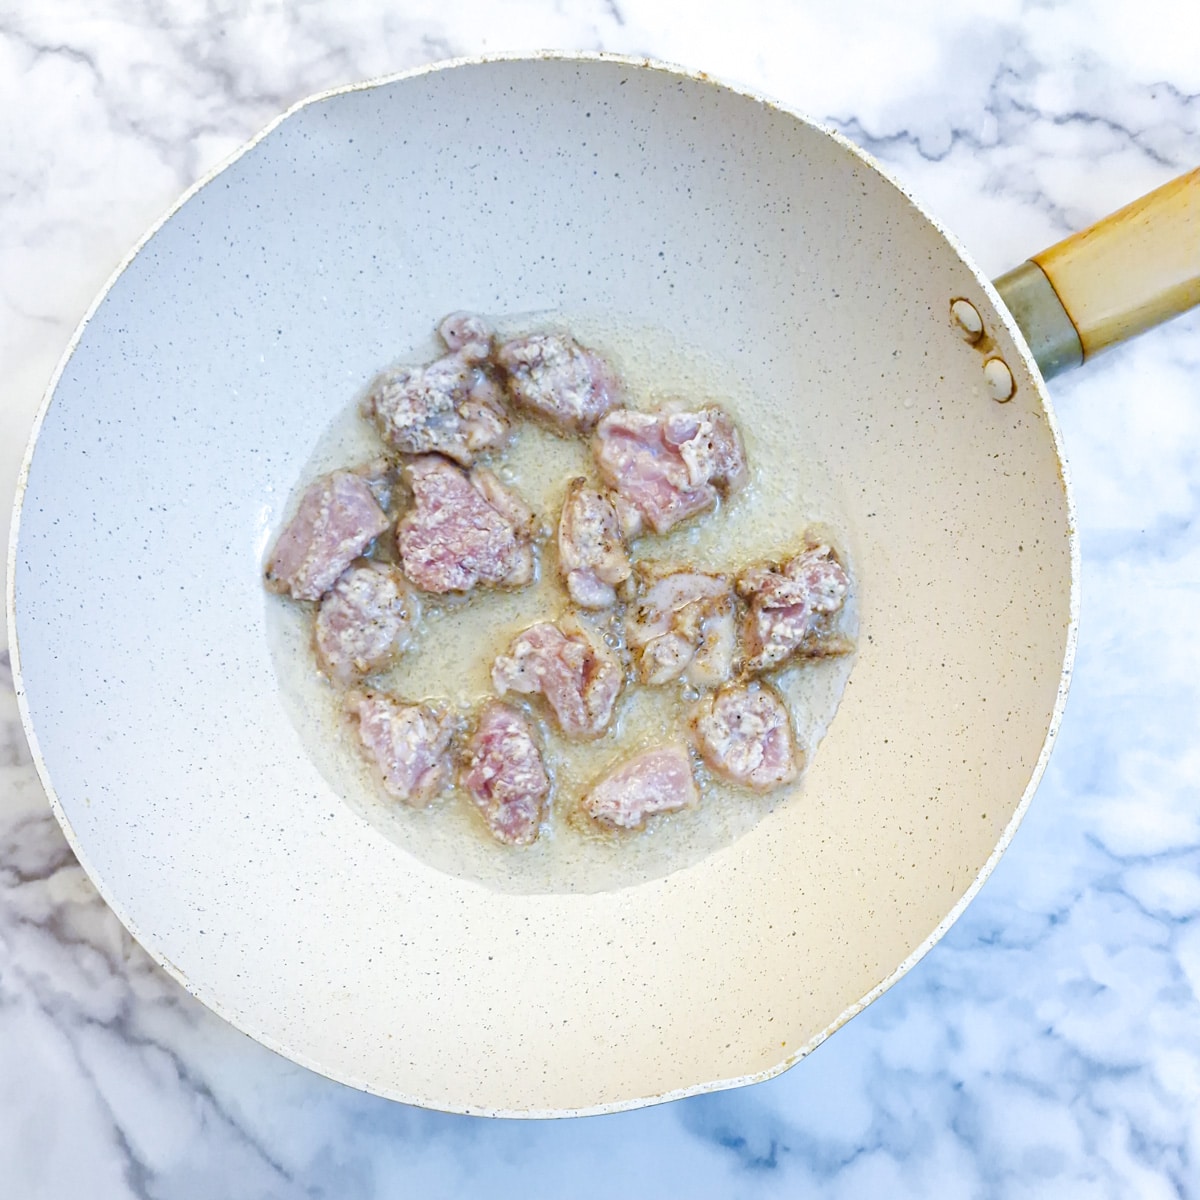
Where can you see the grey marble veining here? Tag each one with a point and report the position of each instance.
(1050, 1045)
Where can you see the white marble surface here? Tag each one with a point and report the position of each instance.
(1050, 1045)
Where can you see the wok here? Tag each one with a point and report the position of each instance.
(195, 390)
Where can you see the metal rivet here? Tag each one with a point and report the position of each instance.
(999, 379)
(966, 320)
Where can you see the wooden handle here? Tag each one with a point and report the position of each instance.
(1132, 270)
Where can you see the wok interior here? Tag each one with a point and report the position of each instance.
(196, 395)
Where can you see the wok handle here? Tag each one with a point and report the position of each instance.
(1128, 272)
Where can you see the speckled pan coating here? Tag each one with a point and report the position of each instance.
(192, 397)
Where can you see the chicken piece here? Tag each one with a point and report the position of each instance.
(710, 446)
(577, 674)
(379, 474)
(364, 621)
(409, 744)
(337, 520)
(790, 606)
(503, 773)
(633, 524)
(464, 530)
(670, 466)
(592, 555)
(507, 502)
(451, 406)
(743, 733)
(682, 624)
(655, 781)
(552, 376)
(468, 336)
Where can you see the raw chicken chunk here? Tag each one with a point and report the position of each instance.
(337, 519)
(364, 621)
(505, 501)
(379, 474)
(790, 606)
(632, 523)
(503, 773)
(682, 625)
(451, 406)
(655, 781)
(592, 555)
(670, 466)
(409, 744)
(579, 676)
(743, 733)
(555, 378)
(710, 446)
(468, 335)
(464, 530)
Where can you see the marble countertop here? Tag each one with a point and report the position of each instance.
(1050, 1045)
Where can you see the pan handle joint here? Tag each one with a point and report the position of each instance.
(1035, 306)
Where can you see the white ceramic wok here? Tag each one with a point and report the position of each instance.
(597, 188)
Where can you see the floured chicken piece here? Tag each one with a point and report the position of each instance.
(577, 674)
(655, 781)
(409, 744)
(592, 555)
(365, 620)
(743, 733)
(552, 376)
(337, 520)
(464, 530)
(468, 335)
(681, 625)
(503, 773)
(632, 523)
(506, 501)
(790, 606)
(379, 474)
(672, 465)
(452, 406)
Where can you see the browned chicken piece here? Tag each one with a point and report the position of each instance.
(790, 606)
(464, 530)
(337, 520)
(451, 406)
(503, 772)
(655, 781)
(364, 621)
(682, 625)
(670, 465)
(555, 378)
(592, 555)
(409, 744)
(743, 733)
(577, 674)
